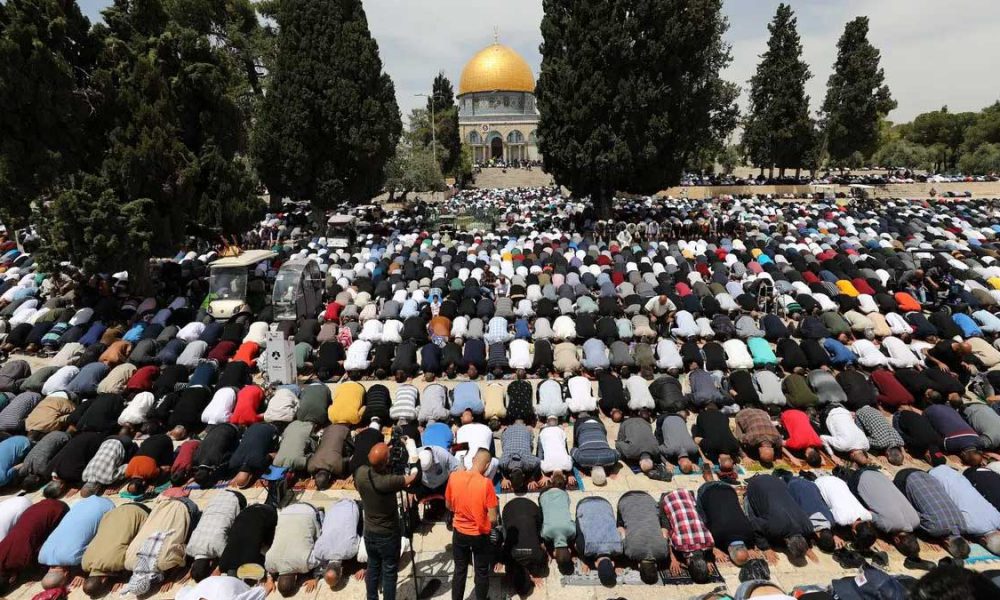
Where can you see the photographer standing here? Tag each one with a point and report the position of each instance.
(383, 536)
(473, 501)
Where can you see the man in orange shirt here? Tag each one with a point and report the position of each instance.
(472, 500)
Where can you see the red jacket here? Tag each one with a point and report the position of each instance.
(142, 380)
(801, 434)
(248, 401)
(891, 393)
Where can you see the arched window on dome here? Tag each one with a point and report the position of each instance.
(533, 136)
(515, 137)
(474, 138)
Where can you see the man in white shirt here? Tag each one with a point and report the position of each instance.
(357, 358)
(391, 331)
(847, 510)
(477, 436)
(556, 461)
(564, 328)
(845, 435)
(658, 306)
(868, 354)
(900, 354)
(222, 587)
(10, 510)
(519, 354)
(686, 326)
(639, 396)
(581, 395)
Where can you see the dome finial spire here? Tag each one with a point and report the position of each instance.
(496, 34)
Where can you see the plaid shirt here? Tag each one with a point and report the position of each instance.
(687, 531)
(108, 465)
(516, 441)
(939, 515)
(209, 537)
(881, 434)
(756, 428)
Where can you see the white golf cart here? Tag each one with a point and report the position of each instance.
(227, 283)
(341, 231)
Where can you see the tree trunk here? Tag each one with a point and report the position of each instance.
(781, 172)
(762, 170)
(603, 204)
(770, 172)
(139, 281)
(798, 171)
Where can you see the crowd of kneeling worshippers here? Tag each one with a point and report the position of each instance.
(854, 345)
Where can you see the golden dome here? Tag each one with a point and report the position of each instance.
(496, 68)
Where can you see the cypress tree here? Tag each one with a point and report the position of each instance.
(629, 92)
(446, 124)
(856, 96)
(778, 131)
(46, 54)
(174, 138)
(329, 120)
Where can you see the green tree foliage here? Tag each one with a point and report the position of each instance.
(46, 54)
(629, 92)
(778, 131)
(985, 129)
(413, 169)
(729, 159)
(329, 122)
(903, 154)
(984, 160)
(856, 96)
(941, 141)
(91, 227)
(446, 125)
(174, 136)
(942, 133)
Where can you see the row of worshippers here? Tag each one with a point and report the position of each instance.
(144, 545)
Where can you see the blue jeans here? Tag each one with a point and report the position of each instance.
(383, 561)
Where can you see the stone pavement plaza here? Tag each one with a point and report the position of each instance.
(432, 545)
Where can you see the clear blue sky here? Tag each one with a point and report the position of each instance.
(934, 52)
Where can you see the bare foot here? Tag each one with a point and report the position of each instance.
(505, 485)
(498, 568)
(184, 578)
(166, 587)
(76, 582)
(584, 567)
(675, 568)
(309, 586)
(720, 556)
(268, 586)
(532, 486)
(538, 581)
(706, 471)
(811, 555)
(360, 575)
(571, 483)
(771, 557)
(117, 586)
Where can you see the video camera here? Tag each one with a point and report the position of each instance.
(398, 458)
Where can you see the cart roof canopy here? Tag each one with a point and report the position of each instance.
(341, 220)
(246, 259)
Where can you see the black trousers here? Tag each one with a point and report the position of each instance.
(475, 549)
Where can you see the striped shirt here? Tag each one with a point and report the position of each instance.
(405, 404)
